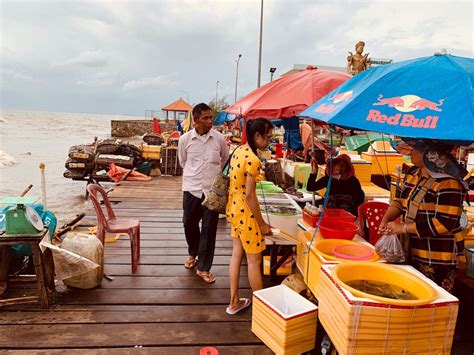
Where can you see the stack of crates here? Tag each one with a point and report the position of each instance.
(169, 162)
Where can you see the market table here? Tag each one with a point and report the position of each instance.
(373, 191)
(6, 241)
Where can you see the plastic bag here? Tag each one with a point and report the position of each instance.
(390, 248)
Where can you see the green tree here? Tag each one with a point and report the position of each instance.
(221, 105)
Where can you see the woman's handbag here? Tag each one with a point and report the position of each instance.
(216, 199)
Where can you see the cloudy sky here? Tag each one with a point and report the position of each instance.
(122, 57)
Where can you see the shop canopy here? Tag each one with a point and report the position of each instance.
(287, 96)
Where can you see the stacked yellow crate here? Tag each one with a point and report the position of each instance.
(151, 151)
(284, 320)
(304, 234)
(383, 157)
(362, 170)
(365, 326)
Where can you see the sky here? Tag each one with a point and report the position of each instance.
(124, 57)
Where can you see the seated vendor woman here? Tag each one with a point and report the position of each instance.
(345, 191)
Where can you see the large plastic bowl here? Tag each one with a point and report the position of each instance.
(353, 252)
(332, 229)
(325, 247)
(355, 271)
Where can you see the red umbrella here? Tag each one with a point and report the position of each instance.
(288, 95)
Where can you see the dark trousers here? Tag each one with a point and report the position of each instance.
(201, 241)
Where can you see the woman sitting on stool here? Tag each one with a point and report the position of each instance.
(345, 191)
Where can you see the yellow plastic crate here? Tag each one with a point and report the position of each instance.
(151, 151)
(383, 164)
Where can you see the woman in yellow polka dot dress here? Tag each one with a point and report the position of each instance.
(243, 211)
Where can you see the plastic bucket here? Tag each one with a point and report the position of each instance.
(337, 229)
(469, 251)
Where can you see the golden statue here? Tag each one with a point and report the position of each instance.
(357, 62)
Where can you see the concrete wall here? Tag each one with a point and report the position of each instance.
(138, 127)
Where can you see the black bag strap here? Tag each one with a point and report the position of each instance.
(227, 163)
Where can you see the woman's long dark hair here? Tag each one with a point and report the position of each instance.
(260, 125)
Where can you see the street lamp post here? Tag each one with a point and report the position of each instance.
(260, 45)
(237, 76)
(187, 95)
(272, 71)
(217, 91)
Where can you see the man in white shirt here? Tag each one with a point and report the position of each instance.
(202, 153)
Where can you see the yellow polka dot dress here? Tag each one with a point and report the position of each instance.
(243, 223)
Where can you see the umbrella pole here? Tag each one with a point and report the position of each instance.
(43, 185)
(313, 198)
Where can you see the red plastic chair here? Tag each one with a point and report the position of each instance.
(370, 216)
(112, 224)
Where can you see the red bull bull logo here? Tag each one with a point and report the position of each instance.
(336, 99)
(405, 104)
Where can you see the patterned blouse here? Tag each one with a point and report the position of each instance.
(439, 237)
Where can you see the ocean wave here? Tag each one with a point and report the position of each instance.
(5, 159)
(4, 120)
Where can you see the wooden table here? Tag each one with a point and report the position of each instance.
(6, 241)
(373, 191)
(277, 241)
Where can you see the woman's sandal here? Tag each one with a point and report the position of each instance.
(190, 262)
(244, 303)
(206, 276)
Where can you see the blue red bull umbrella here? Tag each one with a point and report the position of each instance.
(429, 97)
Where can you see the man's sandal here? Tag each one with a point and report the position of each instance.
(206, 276)
(190, 262)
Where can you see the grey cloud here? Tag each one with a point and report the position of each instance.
(127, 56)
(87, 59)
(150, 82)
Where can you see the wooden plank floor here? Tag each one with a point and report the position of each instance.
(161, 309)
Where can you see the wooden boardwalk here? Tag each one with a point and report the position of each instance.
(161, 309)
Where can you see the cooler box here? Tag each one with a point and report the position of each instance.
(151, 151)
(284, 320)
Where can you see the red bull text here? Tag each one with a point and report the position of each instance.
(405, 120)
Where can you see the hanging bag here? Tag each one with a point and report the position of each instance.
(216, 199)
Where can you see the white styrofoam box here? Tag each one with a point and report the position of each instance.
(285, 223)
(286, 302)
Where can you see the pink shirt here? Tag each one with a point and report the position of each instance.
(202, 158)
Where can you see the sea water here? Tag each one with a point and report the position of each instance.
(28, 138)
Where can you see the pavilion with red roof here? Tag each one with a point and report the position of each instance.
(178, 106)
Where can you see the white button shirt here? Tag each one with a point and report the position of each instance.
(202, 157)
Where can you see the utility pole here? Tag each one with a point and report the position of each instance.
(217, 91)
(237, 76)
(260, 45)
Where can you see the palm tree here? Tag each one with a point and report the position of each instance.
(221, 105)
